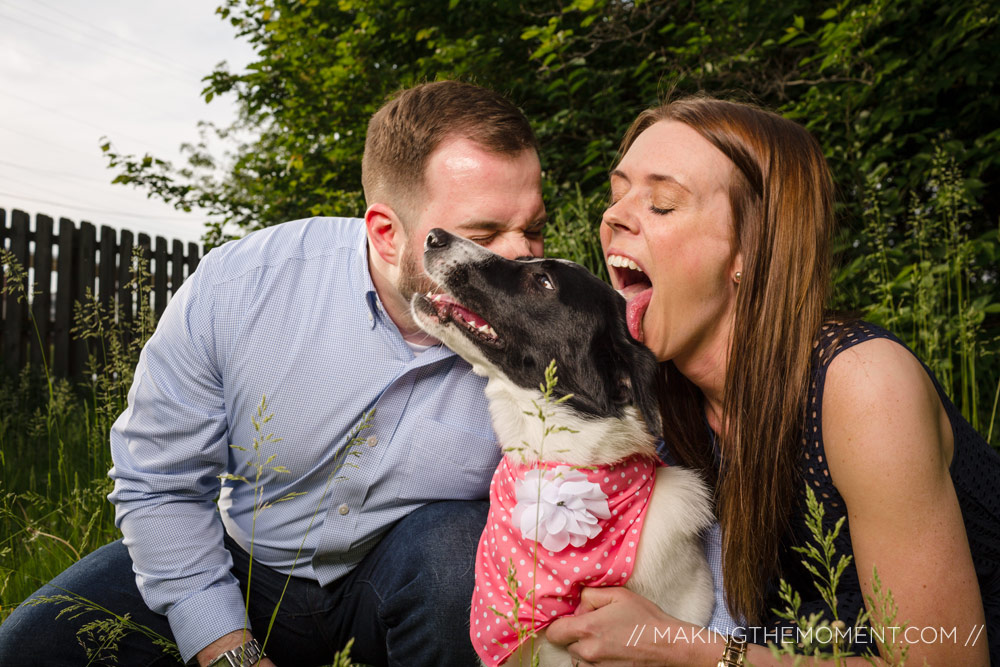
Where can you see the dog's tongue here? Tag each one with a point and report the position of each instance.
(636, 302)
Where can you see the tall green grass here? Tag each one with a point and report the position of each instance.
(54, 453)
(918, 273)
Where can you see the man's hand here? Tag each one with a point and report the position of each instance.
(226, 643)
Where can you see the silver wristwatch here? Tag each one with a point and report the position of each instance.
(247, 655)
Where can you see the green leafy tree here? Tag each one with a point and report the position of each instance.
(883, 85)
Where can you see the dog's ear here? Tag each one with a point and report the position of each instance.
(637, 384)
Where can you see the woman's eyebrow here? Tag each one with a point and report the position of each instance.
(653, 178)
(665, 178)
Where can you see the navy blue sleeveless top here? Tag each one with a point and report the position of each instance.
(975, 472)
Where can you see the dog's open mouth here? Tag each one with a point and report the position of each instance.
(450, 310)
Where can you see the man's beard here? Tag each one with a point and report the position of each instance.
(412, 279)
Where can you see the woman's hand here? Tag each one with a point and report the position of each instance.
(615, 627)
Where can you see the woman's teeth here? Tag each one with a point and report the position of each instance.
(623, 262)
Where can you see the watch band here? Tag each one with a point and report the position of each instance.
(247, 655)
(733, 653)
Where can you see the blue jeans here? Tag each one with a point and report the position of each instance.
(407, 603)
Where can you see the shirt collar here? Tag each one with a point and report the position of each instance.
(361, 278)
(362, 284)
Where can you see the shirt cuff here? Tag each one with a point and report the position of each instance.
(202, 618)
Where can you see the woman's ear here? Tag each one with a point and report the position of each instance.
(736, 271)
(385, 232)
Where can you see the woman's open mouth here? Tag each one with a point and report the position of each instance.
(635, 286)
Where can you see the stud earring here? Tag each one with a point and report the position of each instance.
(737, 277)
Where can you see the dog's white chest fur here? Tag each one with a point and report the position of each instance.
(670, 567)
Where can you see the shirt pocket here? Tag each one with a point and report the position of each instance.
(446, 462)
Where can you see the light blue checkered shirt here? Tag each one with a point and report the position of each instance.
(289, 313)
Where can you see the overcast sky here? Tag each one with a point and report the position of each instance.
(72, 72)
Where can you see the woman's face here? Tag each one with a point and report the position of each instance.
(668, 242)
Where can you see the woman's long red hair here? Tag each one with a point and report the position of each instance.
(782, 203)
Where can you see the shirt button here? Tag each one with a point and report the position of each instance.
(372, 440)
(370, 316)
(344, 509)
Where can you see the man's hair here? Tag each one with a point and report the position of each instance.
(414, 122)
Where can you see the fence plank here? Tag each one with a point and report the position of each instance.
(160, 276)
(64, 298)
(41, 306)
(143, 292)
(107, 267)
(3, 274)
(16, 321)
(193, 257)
(106, 270)
(85, 273)
(143, 295)
(176, 267)
(125, 246)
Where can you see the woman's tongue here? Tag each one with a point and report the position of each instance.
(637, 298)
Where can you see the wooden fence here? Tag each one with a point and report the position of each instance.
(62, 262)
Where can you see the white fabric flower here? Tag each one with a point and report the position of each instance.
(559, 507)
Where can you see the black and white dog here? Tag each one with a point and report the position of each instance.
(574, 492)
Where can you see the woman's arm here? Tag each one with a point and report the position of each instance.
(889, 444)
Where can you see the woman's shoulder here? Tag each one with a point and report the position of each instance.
(881, 409)
(860, 365)
(839, 335)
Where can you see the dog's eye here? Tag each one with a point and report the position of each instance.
(544, 281)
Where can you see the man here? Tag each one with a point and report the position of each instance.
(262, 371)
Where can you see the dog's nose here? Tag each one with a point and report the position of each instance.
(437, 238)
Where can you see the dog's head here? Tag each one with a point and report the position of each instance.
(514, 317)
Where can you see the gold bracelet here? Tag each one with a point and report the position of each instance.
(733, 654)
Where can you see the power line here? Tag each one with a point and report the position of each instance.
(71, 117)
(40, 188)
(82, 207)
(119, 192)
(43, 140)
(51, 172)
(53, 65)
(100, 42)
(169, 60)
(101, 45)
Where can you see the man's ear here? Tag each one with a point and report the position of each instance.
(385, 232)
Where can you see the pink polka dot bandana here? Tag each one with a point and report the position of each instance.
(581, 524)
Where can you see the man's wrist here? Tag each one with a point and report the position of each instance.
(227, 642)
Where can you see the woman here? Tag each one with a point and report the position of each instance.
(726, 210)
